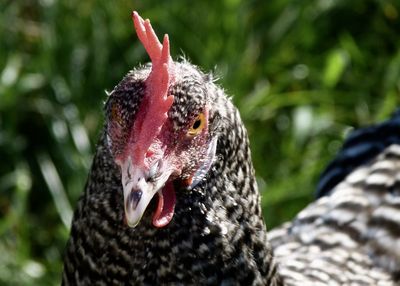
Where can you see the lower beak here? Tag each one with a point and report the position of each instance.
(139, 189)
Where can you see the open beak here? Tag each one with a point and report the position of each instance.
(140, 186)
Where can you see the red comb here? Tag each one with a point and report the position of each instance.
(153, 112)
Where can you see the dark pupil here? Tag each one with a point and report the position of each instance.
(196, 124)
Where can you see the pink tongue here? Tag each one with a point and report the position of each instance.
(166, 205)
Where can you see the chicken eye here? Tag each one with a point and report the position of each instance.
(197, 125)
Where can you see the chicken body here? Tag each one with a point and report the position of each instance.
(350, 237)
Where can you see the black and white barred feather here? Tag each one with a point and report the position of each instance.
(351, 234)
(360, 147)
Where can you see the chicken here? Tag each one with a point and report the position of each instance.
(172, 198)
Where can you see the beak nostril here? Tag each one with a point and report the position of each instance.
(134, 198)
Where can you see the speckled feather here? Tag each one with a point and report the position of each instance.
(350, 237)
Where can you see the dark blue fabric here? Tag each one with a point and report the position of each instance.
(360, 147)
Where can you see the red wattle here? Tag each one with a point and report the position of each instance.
(165, 207)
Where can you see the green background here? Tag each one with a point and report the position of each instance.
(302, 73)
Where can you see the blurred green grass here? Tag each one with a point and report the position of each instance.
(303, 74)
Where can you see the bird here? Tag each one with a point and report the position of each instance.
(171, 196)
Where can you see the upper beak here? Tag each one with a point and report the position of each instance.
(139, 187)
